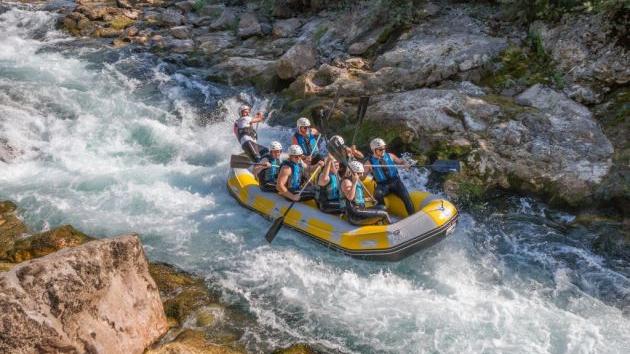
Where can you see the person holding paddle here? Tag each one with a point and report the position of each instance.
(308, 139)
(292, 174)
(268, 168)
(382, 165)
(354, 198)
(246, 134)
(328, 187)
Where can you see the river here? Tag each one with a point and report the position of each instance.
(115, 140)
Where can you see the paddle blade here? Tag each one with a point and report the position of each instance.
(446, 166)
(240, 161)
(273, 230)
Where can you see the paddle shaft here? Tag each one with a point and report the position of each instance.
(363, 103)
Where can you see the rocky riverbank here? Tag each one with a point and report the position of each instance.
(76, 293)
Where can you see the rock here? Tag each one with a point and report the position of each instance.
(296, 61)
(107, 32)
(212, 11)
(366, 41)
(179, 45)
(185, 6)
(192, 342)
(249, 25)
(44, 243)
(286, 28)
(125, 4)
(434, 51)
(300, 348)
(180, 32)
(239, 70)
(11, 227)
(98, 297)
(227, 20)
(171, 17)
(213, 43)
(78, 24)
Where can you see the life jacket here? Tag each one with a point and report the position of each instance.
(296, 175)
(244, 131)
(331, 191)
(270, 175)
(307, 145)
(383, 174)
(359, 198)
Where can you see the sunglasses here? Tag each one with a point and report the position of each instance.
(379, 149)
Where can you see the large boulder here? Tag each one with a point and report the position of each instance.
(227, 20)
(297, 60)
(239, 70)
(249, 25)
(543, 142)
(435, 50)
(11, 227)
(171, 17)
(286, 28)
(215, 42)
(96, 298)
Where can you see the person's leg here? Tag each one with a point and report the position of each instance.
(250, 149)
(380, 191)
(307, 194)
(398, 188)
(362, 216)
(330, 207)
(269, 187)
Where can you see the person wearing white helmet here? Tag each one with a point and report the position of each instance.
(293, 173)
(307, 138)
(328, 190)
(354, 198)
(246, 134)
(269, 167)
(351, 151)
(382, 165)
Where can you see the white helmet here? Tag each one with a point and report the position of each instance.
(338, 140)
(243, 108)
(356, 166)
(275, 146)
(377, 143)
(295, 150)
(303, 122)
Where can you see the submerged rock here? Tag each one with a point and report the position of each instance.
(98, 297)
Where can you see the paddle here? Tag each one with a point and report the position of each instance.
(442, 166)
(363, 103)
(335, 149)
(324, 120)
(277, 224)
(239, 161)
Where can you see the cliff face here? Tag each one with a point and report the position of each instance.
(94, 298)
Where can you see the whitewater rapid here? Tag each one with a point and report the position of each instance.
(113, 141)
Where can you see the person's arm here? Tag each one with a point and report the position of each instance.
(281, 185)
(265, 165)
(315, 132)
(324, 176)
(310, 169)
(356, 153)
(398, 161)
(346, 188)
(294, 140)
(259, 117)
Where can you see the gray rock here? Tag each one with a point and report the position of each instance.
(297, 60)
(180, 45)
(238, 70)
(171, 17)
(98, 297)
(185, 6)
(286, 28)
(215, 42)
(249, 25)
(180, 32)
(212, 11)
(436, 50)
(227, 20)
(366, 41)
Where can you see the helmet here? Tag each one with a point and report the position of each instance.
(243, 108)
(337, 140)
(303, 122)
(274, 146)
(356, 166)
(295, 150)
(377, 143)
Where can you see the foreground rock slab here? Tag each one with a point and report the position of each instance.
(96, 298)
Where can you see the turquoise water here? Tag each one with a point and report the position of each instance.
(114, 141)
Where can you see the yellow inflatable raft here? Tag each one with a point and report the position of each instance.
(434, 220)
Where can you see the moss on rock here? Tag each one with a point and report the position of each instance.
(45, 243)
(11, 227)
(300, 348)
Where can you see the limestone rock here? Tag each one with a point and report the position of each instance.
(180, 45)
(180, 32)
(185, 6)
(297, 60)
(98, 297)
(249, 25)
(44, 243)
(171, 17)
(286, 28)
(215, 42)
(11, 227)
(239, 70)
(227, 20)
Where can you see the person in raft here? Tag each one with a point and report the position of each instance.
(267, 171)
(246, 134)
(354, 199)
(328, 191)
(307, 138)
(293, 173)
(382, 165)
(352, 153)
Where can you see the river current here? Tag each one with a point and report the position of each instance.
(115, 140)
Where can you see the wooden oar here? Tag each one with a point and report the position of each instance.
(442, 166)
(277, 224)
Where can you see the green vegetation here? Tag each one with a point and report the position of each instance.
(551, 10)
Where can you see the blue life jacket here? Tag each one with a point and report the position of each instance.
(296, 175)
(270, 175)
(306, 145)
(383, 174)
(359, 198)
(331, 191)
